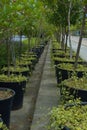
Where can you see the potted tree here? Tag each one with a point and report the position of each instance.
(58, 60)
(16, 70)
(18, 84)
(65, 71)
(75, 86)
(23, 63)
(31, 58)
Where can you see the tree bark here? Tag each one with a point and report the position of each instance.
(13, 52)
(20, 45)
(29, 47)
(8, 55)
(69, 28)
(66, 41)
(63, 38)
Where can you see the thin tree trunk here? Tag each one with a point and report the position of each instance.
(29, 46)
(57, 35)
(69, 29)
(8, 55)
(66, 41)
(20, 45)
(80, 40)
(39, 33)
(13, 53)
(63, 39)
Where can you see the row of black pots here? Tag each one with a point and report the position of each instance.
(68, 60)
(38, 50)
(19, 88)
(63, 74)
(60, 73)
(16, 101)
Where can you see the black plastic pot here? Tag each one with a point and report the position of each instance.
(19, 88)
(38, 50)
(65, 128)
(62, 74)
(77, 93)
(6, 106)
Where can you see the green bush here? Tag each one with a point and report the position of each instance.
(74, 117)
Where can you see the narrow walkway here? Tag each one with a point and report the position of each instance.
(21, 119)
(47, 97)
